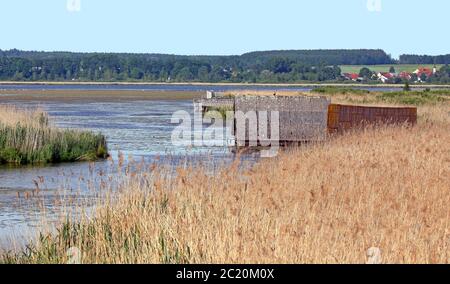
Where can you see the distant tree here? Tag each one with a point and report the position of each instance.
(266, 75)
(329, 73)
(424, 59)
(136, 73)
(423, 77)
(337, 71)
(445, 70)
(203, 74)
(185, 74)
(266, 66)
(365, 73)
(392, 70)
(280, 65)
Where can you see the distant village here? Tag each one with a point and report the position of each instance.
(419, 75)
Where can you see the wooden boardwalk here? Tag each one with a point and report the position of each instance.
(297, 118)
(205, 104)
(300, 119)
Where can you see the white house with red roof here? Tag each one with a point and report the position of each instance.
(425, 71)
(385, 76)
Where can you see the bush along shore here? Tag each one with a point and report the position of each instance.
(27, 137)
(417, 98)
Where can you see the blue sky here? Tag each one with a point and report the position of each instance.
(225, 27)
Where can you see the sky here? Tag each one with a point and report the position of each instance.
(224, 27)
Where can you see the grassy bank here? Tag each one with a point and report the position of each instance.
(27, 137)
(385, 68)
(329, 90)
(299, 84)
(322, 203)
(222, 112)
(418, 98)
(95, 95)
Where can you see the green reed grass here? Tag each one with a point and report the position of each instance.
(37, 142)
(415, 97)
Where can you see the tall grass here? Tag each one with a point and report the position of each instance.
(357, 96)
(329, 90)
(416, 97)
(322, 203)
(27, 137)
(386, 187)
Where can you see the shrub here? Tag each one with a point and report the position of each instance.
(32, 140)
(329, 90)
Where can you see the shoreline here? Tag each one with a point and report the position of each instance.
(95, 95)
(76, 83)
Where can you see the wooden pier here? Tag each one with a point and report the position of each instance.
(298, 119)
(213, 103)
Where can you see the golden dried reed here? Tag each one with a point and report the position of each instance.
(386, 187)
(324, 203)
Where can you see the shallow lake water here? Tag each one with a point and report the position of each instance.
(138, 128)
(181, 87)
(141, 129)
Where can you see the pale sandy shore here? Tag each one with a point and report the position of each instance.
(16, 93)
(225, 84)
(94, 95)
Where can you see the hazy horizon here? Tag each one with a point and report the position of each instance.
(162, 53)
(202, 27)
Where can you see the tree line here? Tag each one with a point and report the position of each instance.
(424, 59)
(441, 76)
(283, 66)
(255, 67)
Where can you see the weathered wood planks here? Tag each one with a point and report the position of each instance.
(300, 118)
(260, 120)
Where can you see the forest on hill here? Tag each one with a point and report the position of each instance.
(283, 66)
(424, 59)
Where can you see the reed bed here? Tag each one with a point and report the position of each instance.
(415, 98)
(361, 96)
(385, 187)
(27, 137)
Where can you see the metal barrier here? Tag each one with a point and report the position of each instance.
(345, 117)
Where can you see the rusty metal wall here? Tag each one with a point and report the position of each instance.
(301, 118)
(344, 117)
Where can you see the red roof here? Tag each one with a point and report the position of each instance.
(405, 75)
(425, 71)
(388, 75)
(352, 76)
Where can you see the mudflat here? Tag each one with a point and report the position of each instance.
(95, 95)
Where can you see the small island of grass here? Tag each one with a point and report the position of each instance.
(27, 137)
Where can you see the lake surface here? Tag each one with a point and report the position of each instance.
(135, 127)
(138, 128)
(178, 87)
